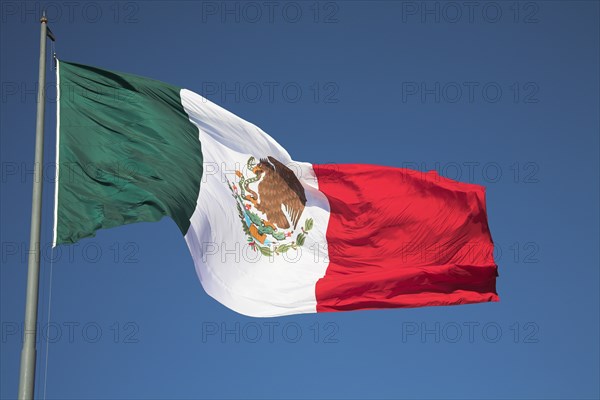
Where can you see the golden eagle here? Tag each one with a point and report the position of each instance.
(278, 187)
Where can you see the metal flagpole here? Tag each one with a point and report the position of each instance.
(27, 372)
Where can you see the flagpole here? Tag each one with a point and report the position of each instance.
(28, 354)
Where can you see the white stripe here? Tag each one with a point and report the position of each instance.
(228, 268)
(54, 231)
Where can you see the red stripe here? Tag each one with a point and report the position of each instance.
(402, 238)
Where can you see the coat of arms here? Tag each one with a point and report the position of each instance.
(270, 204)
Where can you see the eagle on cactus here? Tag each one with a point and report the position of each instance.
(279, 187)
(279, 197)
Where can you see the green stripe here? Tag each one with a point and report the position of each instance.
(127, 153)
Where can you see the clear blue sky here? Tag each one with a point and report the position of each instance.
(499, 95)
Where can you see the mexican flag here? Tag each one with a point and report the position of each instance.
(268, 235)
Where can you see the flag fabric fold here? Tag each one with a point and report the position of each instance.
(268, 235)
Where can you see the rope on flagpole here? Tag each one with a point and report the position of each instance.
(52, 67)
(51, 280)
(48, 320)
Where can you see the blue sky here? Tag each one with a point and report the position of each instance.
(502, 94)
